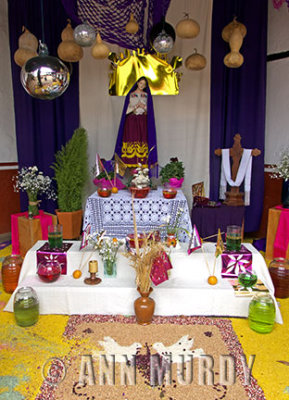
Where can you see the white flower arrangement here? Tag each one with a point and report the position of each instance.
(107, 247)
(141, 177)
(32, 181)
(282, 167)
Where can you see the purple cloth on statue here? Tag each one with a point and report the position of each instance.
(209, 220)
(58, 254)
(151, 128)
(135, 131)
(235, 262)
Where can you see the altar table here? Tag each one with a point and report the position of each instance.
(114, 214)
(185, 293)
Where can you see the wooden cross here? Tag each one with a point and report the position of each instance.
(234, 197)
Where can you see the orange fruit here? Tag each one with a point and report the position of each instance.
(114, 190)
(212, 280)
(77, 274)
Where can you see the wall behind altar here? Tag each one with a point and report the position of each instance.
(8, 152)
(277, 116)
(182, 121)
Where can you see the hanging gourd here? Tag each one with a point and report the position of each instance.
(187, 28)
(132, 25)
(195, 62)
(234, 33)
(68, 50)
(99, 50)
(28, 45)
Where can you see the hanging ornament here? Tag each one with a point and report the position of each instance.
(132, 25)
(44, 77)
(234, 33)
(28, 44)
(195, 62)
(99, 50)
(68, 50)
(84, 35)
(162, 37)
(187, 28)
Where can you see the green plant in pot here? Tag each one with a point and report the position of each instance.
(172, 174)
(71, 175)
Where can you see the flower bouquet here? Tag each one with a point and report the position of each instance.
(140, 182)
(33, 182)
(171, 230)
(282, 171)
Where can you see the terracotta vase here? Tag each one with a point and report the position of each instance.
(144, 308)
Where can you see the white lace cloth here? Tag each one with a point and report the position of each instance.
(114, 214)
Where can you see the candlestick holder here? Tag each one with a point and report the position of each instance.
(93, 279)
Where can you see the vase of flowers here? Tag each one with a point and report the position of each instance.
(172, 228)
(34, 183)
(282, 171)
(108, 248)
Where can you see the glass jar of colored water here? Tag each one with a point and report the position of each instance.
(234, 237)
(26, 306)
(10, 272)
(262, 313)
(49, 270)
(279, 272)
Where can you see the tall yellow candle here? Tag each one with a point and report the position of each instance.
(93, 266)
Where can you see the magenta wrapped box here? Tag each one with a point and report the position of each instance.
(235, 262)
(45, 253)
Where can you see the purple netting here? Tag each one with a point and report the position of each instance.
(110, 18)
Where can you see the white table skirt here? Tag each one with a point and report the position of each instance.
(185, 293)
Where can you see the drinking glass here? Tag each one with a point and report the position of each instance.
(55, 236)
(233, 238)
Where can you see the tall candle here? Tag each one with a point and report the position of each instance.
(93, 266)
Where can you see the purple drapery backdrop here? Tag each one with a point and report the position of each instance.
(42, 126)
(156, 10)
(238, 95)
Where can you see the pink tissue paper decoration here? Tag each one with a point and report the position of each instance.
(235, 262)
(195, 241)
(108, 184)
(84, 239)
(175, 182)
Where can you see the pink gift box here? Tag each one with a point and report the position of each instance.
(235, 262)
(59, 255)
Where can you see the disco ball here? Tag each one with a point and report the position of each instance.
(84, 35)
(162, 37)
(163, 43)
(44, 77)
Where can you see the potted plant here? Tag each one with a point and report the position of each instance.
(71, 175)
(140, 182)
(172, 174)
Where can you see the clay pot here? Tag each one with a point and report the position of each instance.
(144, 308)
(132, 25)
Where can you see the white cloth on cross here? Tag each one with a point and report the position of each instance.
(244, 172)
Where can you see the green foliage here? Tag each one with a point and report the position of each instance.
(173, 169)
(71, 171)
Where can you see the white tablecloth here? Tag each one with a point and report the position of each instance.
(114, 214)
(185, 293)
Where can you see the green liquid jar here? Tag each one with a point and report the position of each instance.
(262, 313)
(26, 307)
